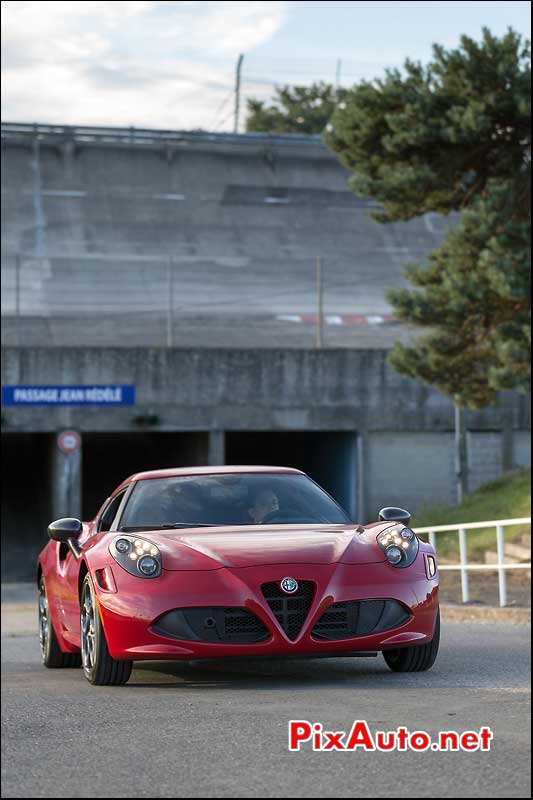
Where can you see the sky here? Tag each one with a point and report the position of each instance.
(172, 64)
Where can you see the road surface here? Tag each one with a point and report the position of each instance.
(220, 729)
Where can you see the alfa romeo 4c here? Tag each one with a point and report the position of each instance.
(211, 562)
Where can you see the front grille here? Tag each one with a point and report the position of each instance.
(359, 618)
(212, 624)
(290, 610)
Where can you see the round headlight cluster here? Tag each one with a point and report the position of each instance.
(400, 546)
(137, 556)
(394, 555)
(147, 565)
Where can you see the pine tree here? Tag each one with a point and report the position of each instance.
(295, 109)
(454, 136)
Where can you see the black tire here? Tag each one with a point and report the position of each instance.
(52, 655)
(416, 658)
(99, 667)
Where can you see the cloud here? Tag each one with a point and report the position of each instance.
(158, 64)
(234, 27)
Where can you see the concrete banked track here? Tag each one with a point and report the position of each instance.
(91, 217)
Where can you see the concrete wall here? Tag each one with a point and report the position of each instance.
(485, 457)
(233, 389)
(400, 433)
(420, 466)
(404, 428)
(90, 226)
(409, 469)
(522, 449)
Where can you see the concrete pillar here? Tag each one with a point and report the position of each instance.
(66, 479)
(217, 448)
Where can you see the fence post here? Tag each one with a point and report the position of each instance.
(464, 561)
(432, 540)
(502, 578)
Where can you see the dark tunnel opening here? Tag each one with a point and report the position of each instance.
(109, 458)
(26, 501)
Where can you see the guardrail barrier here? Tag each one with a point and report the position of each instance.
(464, 566)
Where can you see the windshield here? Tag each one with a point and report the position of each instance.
(229, 499)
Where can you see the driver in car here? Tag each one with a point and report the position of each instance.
(265, 503)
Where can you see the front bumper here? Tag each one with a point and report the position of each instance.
(128, 615)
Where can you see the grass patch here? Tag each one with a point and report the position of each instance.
(506, 498)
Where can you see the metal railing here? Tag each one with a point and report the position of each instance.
(86, 134)
(464, 567)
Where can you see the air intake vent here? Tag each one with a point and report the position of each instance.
(359, 618)
(290, 610)
(216, 625)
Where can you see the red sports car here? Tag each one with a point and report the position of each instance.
(214, 562)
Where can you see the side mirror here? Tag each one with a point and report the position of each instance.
(392, 514)
(64, 529)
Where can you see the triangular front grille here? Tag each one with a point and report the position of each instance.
(290, 610)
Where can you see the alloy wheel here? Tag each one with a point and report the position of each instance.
(43, 619)
(88, 634)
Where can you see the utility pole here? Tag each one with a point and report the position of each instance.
(237, 93)
(319, 304)
(338, 77)
(461, 454)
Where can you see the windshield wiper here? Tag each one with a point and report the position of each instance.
(188, 525)
(165, 526)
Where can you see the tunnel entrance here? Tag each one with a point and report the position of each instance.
(329, 457)
(26, 501)
(109, 458)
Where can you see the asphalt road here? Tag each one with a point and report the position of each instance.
(220, 729)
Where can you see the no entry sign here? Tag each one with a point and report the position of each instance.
(69, 441)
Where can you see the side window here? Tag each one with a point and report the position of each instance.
(106, 520)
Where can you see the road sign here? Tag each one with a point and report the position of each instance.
(69, 441)
(44, 395)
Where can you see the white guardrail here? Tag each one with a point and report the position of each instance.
(464, 567)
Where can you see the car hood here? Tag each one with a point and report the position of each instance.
(248, 546)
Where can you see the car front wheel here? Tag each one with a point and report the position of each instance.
(99, 667)
(416, 658)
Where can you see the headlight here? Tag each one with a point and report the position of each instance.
(148, 565)
(394, 555)
(400, 546)
(137, 556)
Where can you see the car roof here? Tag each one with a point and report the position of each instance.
(229, 469)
